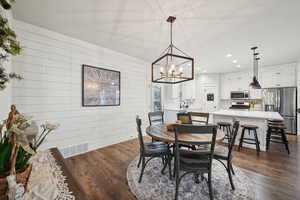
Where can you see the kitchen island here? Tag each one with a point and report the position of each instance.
(257, 118)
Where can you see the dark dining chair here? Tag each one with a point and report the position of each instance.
(198, 161)
(156, 117)
(199, 117)
(152, 150)
(185, 118)
(222, 154)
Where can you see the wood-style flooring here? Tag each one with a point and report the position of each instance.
(102, 173)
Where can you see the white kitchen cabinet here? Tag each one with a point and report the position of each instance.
(278, 76)
(225, 86)
(269, 77)
(238, 81)
(189, 90)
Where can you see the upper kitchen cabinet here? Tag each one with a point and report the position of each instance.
(238, 81)
(278, 76)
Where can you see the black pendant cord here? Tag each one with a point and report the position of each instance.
(171, 38)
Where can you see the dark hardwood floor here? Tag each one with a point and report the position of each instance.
(102, 173)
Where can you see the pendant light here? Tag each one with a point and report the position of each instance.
(255, 84)
(173, 66)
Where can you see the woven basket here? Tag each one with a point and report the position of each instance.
(22, 177)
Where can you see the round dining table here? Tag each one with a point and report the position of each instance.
(160, 132)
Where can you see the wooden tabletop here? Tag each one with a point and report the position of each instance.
(160, 132)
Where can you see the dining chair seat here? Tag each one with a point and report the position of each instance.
(152, 148)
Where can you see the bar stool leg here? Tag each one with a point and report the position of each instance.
(285, 141)
(231, 133)
(241, 139)
(256, 142)
(268, 138)
(228, 135)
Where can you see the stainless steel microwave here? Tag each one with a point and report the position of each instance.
(239, 95)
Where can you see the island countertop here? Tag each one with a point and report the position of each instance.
(249, 114)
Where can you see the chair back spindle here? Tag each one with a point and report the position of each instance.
(140, 135)
(198, 117)
(206, 153)
(156, 117)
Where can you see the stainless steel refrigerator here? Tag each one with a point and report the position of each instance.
(284, 101)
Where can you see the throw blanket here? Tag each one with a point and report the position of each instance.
(46, 181)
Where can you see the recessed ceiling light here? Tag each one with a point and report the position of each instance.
(234, 61)
(229, 55)
(238, 66)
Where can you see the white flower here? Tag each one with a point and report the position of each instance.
(21, 120)
(22, 139)
(50, 126)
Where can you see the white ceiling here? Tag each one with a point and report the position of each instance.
(205, 29)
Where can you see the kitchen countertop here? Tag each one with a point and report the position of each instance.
(249, 114)
(182, 109)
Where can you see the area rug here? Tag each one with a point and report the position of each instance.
(156, 186)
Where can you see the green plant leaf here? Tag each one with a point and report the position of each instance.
(5, 151)
(22, 159)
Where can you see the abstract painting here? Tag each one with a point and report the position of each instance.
(100, 87)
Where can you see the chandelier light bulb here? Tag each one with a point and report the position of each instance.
(172, 67)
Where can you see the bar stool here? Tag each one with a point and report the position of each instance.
(255, 141)
(226, 127)
(276, 133)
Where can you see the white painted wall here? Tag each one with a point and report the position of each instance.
(51, 65)
(298, 97)
(6, 95)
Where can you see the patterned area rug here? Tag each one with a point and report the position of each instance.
(156, 186)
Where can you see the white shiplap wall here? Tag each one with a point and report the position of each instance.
(51, 65)
(298, 92)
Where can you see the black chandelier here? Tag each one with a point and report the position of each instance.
(173, 66)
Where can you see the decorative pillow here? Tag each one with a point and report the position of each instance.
(184, 119)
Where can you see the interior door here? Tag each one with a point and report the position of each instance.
(209, 98)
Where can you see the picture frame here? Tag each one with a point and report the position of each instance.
(100, 86)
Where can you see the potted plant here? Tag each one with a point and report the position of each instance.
(8, 46)
(19, 141)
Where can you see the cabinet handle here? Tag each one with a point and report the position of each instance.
(278, 73)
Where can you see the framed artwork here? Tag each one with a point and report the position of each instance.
(100, 87)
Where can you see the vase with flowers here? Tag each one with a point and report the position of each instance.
(19, 141)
